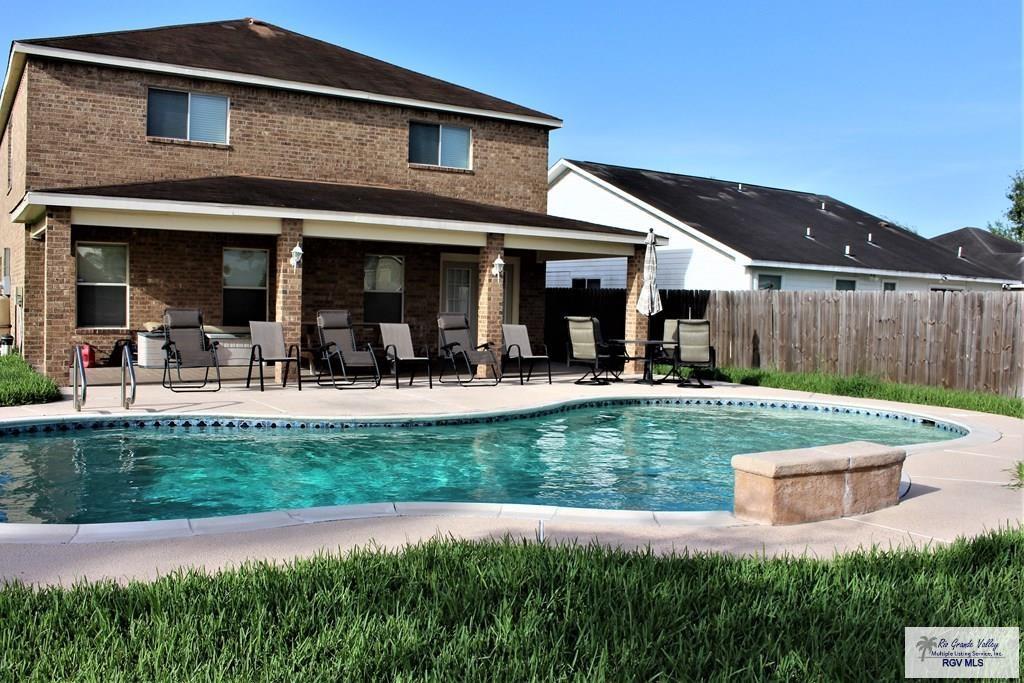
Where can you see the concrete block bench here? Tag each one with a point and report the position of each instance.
(814, 484)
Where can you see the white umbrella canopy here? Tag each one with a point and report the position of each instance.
(649, 302)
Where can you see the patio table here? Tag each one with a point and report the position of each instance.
(648, 360)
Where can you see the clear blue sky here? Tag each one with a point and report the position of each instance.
(908, 109)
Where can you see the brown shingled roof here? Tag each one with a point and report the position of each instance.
(253, 47)
(315, 196)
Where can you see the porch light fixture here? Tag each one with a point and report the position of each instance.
(296, 258)
(498, 267)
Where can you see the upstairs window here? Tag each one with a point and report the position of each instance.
(437, 145)
(187, 116)
(10, 157)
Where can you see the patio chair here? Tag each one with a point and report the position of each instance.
(187, 346)
(459, 350)
(695, 350)
(516, 346)
(268, 346)
(398, 350)
(585, 347)
(668, 352)
(339, 355)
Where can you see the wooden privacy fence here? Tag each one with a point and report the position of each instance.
(961, 340)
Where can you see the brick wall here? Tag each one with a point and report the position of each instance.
(58, 291)
(333, 278)
(490, 296)
(636, 324)
(88, 127)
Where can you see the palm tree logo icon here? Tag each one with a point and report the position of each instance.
(925, 644)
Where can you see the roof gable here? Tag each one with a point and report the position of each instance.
(256, 48)
(770, 224)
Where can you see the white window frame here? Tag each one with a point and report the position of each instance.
(440, 127)
(378, 291)
(757, 280)
(895, 285)
(126, 285)
(188, 116)
(835, 284)
(266, 288)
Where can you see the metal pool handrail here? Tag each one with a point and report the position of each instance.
(79, 380)
(127, 377)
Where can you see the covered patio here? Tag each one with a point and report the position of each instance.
(104, 263)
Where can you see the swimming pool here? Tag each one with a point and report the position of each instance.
(613, 456)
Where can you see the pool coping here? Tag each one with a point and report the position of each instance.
(42, 533)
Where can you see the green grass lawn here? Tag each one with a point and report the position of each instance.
(20, 384)
(862, 386)
(449, 610)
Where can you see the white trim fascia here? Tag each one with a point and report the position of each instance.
(36, 199)
(15, 68)
(874, 271)
(267, 82)
(740, 258)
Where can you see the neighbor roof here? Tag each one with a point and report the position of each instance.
(769, 224)
(983, 246)
(253, 47)
(332, 197)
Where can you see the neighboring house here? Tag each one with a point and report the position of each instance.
(733, 236)
(984, 247)
(181, 166)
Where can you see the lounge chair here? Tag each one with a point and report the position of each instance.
(458, 350)
(268, 346)
(516, 342)
(338, 356)
(695, 350)
(187, 346)
(585, 347)
(398, 350)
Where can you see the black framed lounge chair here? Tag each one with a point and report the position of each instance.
(268, 346)
(187, 346)
(516, 347)
(695, 350)
(461, 353)
(338, 357)
(585, 347)
(398, 350)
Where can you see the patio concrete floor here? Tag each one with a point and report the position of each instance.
(959, 487)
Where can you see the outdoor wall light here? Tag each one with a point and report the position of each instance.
(296, 258)
(498, 267)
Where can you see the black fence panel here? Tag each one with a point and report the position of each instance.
(609, 306)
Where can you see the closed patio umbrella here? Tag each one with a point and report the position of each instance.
(649, 302)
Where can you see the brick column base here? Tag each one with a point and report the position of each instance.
(288, 290)
(490, 309)
(636, 324)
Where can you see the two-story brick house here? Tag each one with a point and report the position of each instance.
(181, 166)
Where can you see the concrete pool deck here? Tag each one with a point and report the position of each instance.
(959, 488)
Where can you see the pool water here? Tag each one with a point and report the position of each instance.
(622, 457)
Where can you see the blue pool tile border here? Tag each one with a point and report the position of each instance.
(256, 423)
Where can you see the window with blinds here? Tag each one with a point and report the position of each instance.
(187, 116)
(439, 145)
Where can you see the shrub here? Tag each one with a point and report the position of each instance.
(21, 385)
